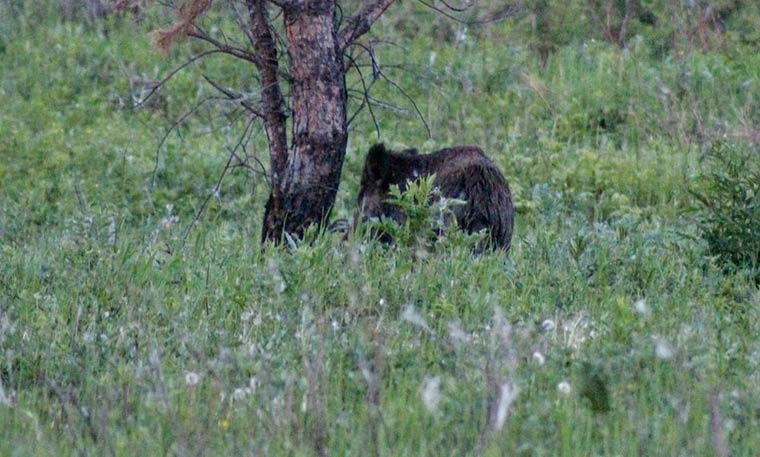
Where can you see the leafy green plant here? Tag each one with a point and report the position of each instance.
(729, 197)
(426, 213)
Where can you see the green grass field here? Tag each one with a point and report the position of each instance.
(127, 329)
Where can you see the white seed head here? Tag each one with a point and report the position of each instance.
(641, 307)
(663, 350)
(238, 394)
(564, 388)
(548, 325)
(507, 395)
(539, 358)
(192, 378)
(431, 393)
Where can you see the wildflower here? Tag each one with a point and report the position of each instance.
(238, 394)
(192, 378)
(564, 387)
(431, 393)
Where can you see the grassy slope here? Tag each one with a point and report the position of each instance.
(105, 307)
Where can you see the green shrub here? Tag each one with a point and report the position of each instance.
(729, 196)
(426, 213)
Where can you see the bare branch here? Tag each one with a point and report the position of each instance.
(243, 162)
(240, 53)
(232, 96)
(381, 103)
(360, 22)
(365, 96)
(171, 75)
(509, 11)
(458, 9)
(243, 25)
(411, 100)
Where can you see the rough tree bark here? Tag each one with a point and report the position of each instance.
(305, 184)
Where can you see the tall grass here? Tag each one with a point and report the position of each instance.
(609, 330)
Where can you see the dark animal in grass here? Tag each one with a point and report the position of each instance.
(461, 172)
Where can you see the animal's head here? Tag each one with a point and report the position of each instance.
(373, 189)
(382, 169)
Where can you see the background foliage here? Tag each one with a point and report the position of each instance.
(624, 322)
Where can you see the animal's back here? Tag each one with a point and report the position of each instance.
(468, 174)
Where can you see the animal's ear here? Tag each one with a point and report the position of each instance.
(377, 159)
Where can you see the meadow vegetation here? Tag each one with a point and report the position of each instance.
(140, 315)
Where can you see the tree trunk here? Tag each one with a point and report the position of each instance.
(303, 191)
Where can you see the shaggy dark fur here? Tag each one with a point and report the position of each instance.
(462, 172)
